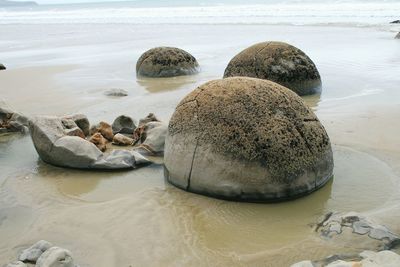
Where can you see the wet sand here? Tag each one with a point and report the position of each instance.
(134, 218)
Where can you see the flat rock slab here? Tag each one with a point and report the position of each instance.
(334, 224)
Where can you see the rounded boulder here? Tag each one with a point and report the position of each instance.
(278, 62)
(246, 139)
(166, 62)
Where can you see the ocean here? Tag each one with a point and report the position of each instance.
(291, 12)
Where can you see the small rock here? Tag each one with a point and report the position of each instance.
(2, 67)
(16, 264)
(152, 138)
(105, 129)
(395, 21)
(56, 257)
(148, 118)
(32, 253)
(122, 140)
(68, 123)
(81, 121)
(116, 92)
(98, 140)
(75, 132)
(123, 124)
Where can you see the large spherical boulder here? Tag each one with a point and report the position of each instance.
(278, 62)
(246, 139)
(166, 62)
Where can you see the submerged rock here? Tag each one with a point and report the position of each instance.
(116, 92)
(122, 140)
(384, 258)
(2, 67)
(33, 253)
(278, 62)
(263, 141)
(395, 21)
(376, 236)
(124, 125)
(56, 257)
(56, 148)
(166, 62)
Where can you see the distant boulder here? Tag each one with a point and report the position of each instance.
(2, 67)
(166, 62)
(278, 62)
(397, 36)
(396, 21)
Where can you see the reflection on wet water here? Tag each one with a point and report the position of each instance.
(157, 85)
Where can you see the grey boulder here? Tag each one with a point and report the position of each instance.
(123, 124)
(56, 257)
(152, 138)
(80, 121)
(55, 147)
(33, 253)
(116, 92)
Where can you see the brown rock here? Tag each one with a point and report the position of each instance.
(278, 62)
(246, 139)
(105, 129)
(122, 140)
(166, 62)
(99, 141)
(75, 132)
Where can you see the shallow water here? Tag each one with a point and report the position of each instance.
(134, 218)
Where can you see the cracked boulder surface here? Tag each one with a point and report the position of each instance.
(278, 62)
(246, 139)
(166, 62)
(353, 228)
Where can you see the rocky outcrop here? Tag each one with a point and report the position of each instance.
(114, 92)
(166, 62)
(2, 67)
(278, 62)
(367, 258)
(123, 124)
(56, 148)
(263, 141)
(376, 236)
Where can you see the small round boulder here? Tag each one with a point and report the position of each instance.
(2, 67)
(278, 62)
(166, 62)
(246, 139)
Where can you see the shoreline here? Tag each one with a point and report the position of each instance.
(117, 219)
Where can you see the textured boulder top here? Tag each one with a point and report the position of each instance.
(278, 62)
(166, 62)
(264, 143)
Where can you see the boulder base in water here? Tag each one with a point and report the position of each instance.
(166, 62)
(278, 62)
(246, 139)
